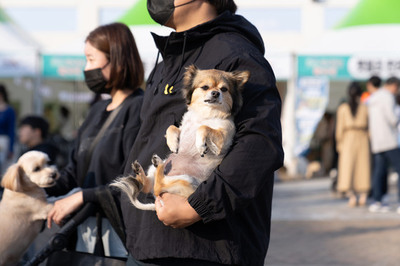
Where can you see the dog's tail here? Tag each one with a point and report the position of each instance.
(131, 187)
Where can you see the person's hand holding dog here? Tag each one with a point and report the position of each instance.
(64, 207)
(175, 211)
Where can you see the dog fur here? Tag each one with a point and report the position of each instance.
(199, 144)
(23, 207)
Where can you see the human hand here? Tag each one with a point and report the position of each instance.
(64, 207)
(175, 211)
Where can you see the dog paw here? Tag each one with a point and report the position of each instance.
(203, 149)
(201, 144)
(173, 146)
(172, 136)
(137, 168)
(156, 160)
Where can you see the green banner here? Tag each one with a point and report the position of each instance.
(68, 67)
(370, 12)
(137, 15)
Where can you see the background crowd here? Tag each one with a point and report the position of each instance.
(359, 145)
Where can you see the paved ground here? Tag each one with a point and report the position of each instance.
(312, 227)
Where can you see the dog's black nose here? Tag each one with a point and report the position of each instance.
(215, 94)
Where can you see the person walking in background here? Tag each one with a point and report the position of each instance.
(372, 85)
(352, 144)
(32, 133)
(113, 66)
(227, 219)
(321, 151)
(7, 129)
(397, 112)
(383, 136)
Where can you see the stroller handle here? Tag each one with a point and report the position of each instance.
(60, 239)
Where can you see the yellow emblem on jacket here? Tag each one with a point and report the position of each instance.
(168, 89)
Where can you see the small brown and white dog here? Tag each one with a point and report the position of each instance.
(24, 207)
(199, 144)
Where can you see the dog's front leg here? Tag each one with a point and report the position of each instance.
(172, 137)
(42, 213)
(209, 139)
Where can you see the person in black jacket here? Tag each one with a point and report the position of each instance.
(226, 221)
(114, 67)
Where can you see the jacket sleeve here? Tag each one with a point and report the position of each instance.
(389, 111)
(256, 151)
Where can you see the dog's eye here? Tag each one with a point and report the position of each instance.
(224, 89)
(205, 87)
(36, 169)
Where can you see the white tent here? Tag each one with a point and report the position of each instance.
(18, 52)
(375, 39)
(20, 57)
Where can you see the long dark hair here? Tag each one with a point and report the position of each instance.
(3, 93)
(354, 92)
(118, 44)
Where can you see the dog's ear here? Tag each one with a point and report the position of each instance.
(187, 90)
(189, 75)
(13, 178)
(241, 78)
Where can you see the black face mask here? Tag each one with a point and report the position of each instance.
(161, 10)
(95, 80)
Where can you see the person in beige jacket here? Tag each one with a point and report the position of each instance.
(352, 144)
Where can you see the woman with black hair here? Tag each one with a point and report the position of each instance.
(101, 149)
(352, 144)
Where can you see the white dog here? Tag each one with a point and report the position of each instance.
(24, 207)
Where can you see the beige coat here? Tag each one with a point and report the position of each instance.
(352, 144)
